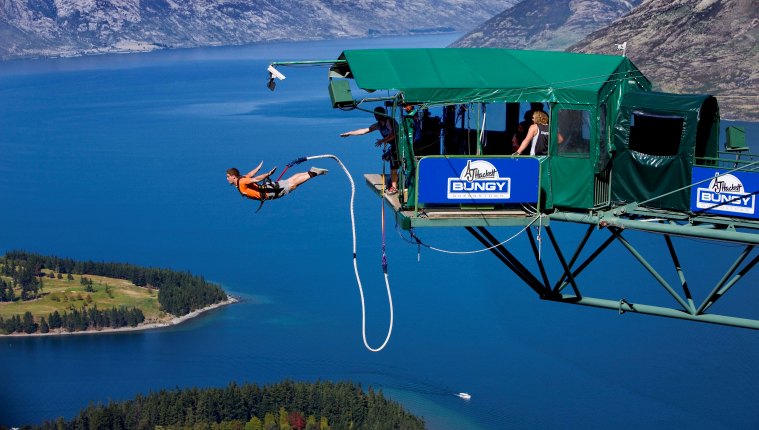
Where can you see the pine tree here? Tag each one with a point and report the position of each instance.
(55, 320)
(28, 324)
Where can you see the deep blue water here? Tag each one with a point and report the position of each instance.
(122, 158)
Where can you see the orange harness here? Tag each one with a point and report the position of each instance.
(256, 191)
(251, 191)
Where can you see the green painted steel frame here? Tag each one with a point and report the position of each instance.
(687, 309)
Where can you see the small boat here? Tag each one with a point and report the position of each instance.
(465, 396)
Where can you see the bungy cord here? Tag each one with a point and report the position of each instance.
(355, 263)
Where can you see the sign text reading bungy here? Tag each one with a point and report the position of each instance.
(726, 193)
(479, 180)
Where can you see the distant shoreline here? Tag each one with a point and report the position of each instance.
(140, 327)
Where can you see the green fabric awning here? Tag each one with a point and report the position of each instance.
(640, 176)
(455, 75)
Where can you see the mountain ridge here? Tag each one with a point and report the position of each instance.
(692, 46)
(545, 24)
(40, 28)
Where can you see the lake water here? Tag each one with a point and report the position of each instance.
(122, 158)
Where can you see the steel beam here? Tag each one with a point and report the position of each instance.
(716, 295)
(509, 260)
(538, 260)
(687, 230)
(623, 306)
(559, 254)
(680, 273)
(587, 261)
(654, 273)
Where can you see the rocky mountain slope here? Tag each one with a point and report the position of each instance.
(692, 46)
(546, 24)
(77, 27)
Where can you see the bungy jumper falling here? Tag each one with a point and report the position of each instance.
(621, 159)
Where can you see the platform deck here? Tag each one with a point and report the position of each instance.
(450, 216)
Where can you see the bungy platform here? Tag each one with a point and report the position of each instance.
(451, 216)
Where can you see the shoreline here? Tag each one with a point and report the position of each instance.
(141, 327)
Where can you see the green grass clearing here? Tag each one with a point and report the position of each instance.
(66, 295)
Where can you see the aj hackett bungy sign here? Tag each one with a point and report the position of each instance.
(732, 194)
(479, 180)
(465, 180)
(726, 192)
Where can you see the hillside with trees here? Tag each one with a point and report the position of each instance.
(284, 406)
(76, 288)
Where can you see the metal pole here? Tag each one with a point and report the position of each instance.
(672, 229)
(732, 282)
(680, 273)
(653, 271)
(485, 232)
(722, 281)
(542, 268)
(658, 311)
(308, 63)
(525, 276)
(589, 260)
(563, 262)
(736, 278)
(572, 261)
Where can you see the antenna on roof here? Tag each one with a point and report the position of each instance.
(623, 48)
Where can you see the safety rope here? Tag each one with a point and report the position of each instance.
(355, 262)
(382, 212)
(483, 142)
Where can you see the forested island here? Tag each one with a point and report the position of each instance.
(44, 294)
(283, 406)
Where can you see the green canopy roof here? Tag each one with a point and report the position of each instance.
(451, 75)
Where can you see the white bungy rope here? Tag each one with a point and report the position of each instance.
(355, 263)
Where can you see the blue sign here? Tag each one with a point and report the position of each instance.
(730, 194)
(464, 180)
